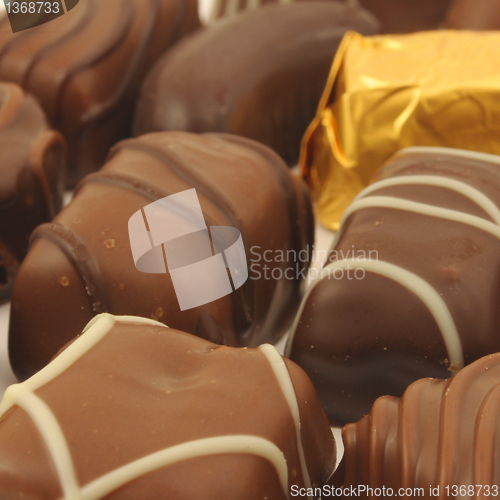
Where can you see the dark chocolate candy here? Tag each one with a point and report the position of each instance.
(259, 74)
(134, 410)
(407, 16)
(412, 286)
(395, 16)
(86, 67)
(439, 437)
(31, 177)
(474, 15)
(82, 264)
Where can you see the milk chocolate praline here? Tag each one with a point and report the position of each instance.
(259, 74)
(82, 263)
(31, 177)
(86, 67)
(411, 285)
(439, 439)
(186, 418)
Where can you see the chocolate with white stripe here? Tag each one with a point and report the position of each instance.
(82, 263)
(86, 67)
(132, 409)
(31, 177)
(412, 281)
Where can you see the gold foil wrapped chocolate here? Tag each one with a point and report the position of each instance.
(385, 93)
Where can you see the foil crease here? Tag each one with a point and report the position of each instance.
(385, 93)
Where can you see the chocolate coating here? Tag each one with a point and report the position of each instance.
(440, 433)
(82, 263)
(407, 16)
(31, 177)
(395, 16)
(128, 388)
(424, 300)
(86, 67)
(474, 15)
(259, 74)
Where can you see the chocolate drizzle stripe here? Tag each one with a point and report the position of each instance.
(418, 208)
(243, 296)
(299, 240)
(137, 58)
(123, 181)
(50, 430)
(80, 258)
(181, 170)
(23, 396)
(69, 32)
(459, 187)
(121, 26)
(219, 445)
(423, 290)
(460, 153)
(285, 382)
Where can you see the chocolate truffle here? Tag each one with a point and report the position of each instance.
(412, 282)
(31, 177)
(441, 437)
(83, 263)
(132, 409)
(474, 15)
(86, 68)
(259, 74)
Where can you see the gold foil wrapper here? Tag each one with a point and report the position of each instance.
(385, 93)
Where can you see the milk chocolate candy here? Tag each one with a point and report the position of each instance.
(86, 67)
(82, 264)
(132, 409)
(259, 74)
(441, 439)
(474, 15)
(412, 283)
(31, 177)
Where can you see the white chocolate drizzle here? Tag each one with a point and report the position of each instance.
(46, 422)
(462, 188)
(240, 444)
(461, 153)
(285, 382)
(423, 290)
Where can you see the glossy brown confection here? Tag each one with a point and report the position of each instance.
(134, 410)
(474, 15)
(441, 434)
(86, 67)
(259, 74)
(407, 16)
(395, 16)
(412, 284)
(31, 177)
(82, 263)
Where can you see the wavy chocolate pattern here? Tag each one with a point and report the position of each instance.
(439, 433)
(113, 43)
